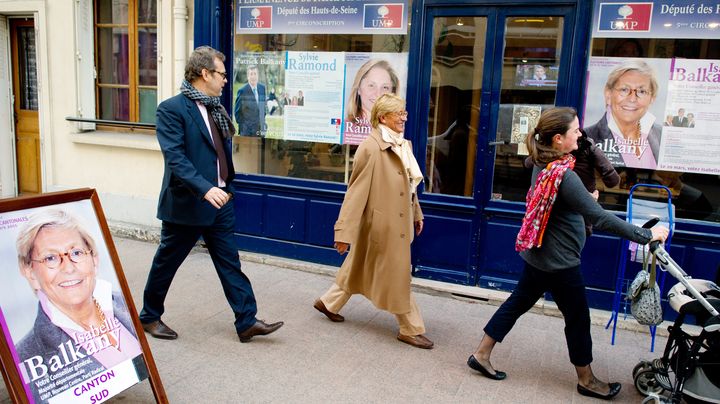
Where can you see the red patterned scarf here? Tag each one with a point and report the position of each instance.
(540, 200)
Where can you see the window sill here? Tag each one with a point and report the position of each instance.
(117, 139)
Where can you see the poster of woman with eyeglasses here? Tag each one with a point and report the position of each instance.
(61, 307)
(624, 108)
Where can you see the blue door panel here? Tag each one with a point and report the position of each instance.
(444, 242)
(321, 219)
(501, 260)
(248, 212)
(600, 259)
(285, 218)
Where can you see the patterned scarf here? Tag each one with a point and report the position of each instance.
(217, 111)
(540, 200)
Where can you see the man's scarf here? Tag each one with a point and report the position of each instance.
(217, 111)
(540, 200)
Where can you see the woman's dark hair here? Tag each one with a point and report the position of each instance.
(552, 121)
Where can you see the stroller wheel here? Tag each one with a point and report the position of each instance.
(647, 384)
(642, 365)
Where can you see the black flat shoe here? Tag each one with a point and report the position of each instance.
(614, 390)
(498, 375)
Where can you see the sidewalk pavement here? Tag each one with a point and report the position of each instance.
(312, 360)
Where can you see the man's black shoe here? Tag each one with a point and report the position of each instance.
(158, 329)
(259, 328)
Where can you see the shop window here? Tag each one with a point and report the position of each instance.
(126, 60)
(282, 114)
(456, 81)
(531, 59)
(681, 117)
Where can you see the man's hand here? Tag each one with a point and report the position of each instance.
(217, 197)
(341, 247)
(595, 194)
(418, 227)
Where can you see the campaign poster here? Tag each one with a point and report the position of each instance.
(626, 119)
(525, 118)
(367, 77)
(62, 310)
(691, 136)
(314, 81)
(259, 94)
(367, 17)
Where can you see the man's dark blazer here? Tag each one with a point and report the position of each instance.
(190, 163)
(249, 114)
(600, 131)
(45, 337)
(680, 122)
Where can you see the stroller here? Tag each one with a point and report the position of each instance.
(690, 366)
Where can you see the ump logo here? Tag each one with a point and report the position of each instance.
(255, 17)
(625, 17)
(383, 16)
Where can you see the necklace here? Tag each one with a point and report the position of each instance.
(103, 322)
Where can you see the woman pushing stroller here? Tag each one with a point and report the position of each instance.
(550, 242)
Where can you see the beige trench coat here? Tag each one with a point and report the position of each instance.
(377, 220)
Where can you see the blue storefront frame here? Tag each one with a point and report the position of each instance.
(294, 218)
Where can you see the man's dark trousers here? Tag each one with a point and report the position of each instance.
(175, 244)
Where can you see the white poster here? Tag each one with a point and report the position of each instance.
(315, 112)
(691, 135)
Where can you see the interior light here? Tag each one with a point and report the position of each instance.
(667, 25)
(459, 22)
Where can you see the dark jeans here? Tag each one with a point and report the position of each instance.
(568, 291)
(176, 241)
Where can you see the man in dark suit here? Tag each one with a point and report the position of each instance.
(680, 120)
(195, 132)
(249, 108)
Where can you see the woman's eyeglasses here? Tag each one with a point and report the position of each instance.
(52, 261)
(639, 92)
(401, 114)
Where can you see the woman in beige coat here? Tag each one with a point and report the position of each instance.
(379, 218)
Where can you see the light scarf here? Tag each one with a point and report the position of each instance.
(540, 199)
(401, 147)
(216, 109)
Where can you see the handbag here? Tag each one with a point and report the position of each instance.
(644, 294)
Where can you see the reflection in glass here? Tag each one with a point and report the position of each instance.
(111, 11)
(112, 55)
(147, 56)
(531, 60)
(27, 68)
(147, 11)
(148, 104)
(457, 67)
(114, 104)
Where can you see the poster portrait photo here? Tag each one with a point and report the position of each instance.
(367, 77)
(62, 310)
(625, 108)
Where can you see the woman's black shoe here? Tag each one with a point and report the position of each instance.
(614, 390)
(498, 375)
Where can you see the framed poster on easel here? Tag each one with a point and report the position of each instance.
(69, 331)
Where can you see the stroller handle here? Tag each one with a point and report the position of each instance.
(668, 264)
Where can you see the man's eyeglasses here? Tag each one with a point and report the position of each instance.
(223, 74)
(52, 261)
(639, 92)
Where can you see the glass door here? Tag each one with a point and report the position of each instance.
(491, 71)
